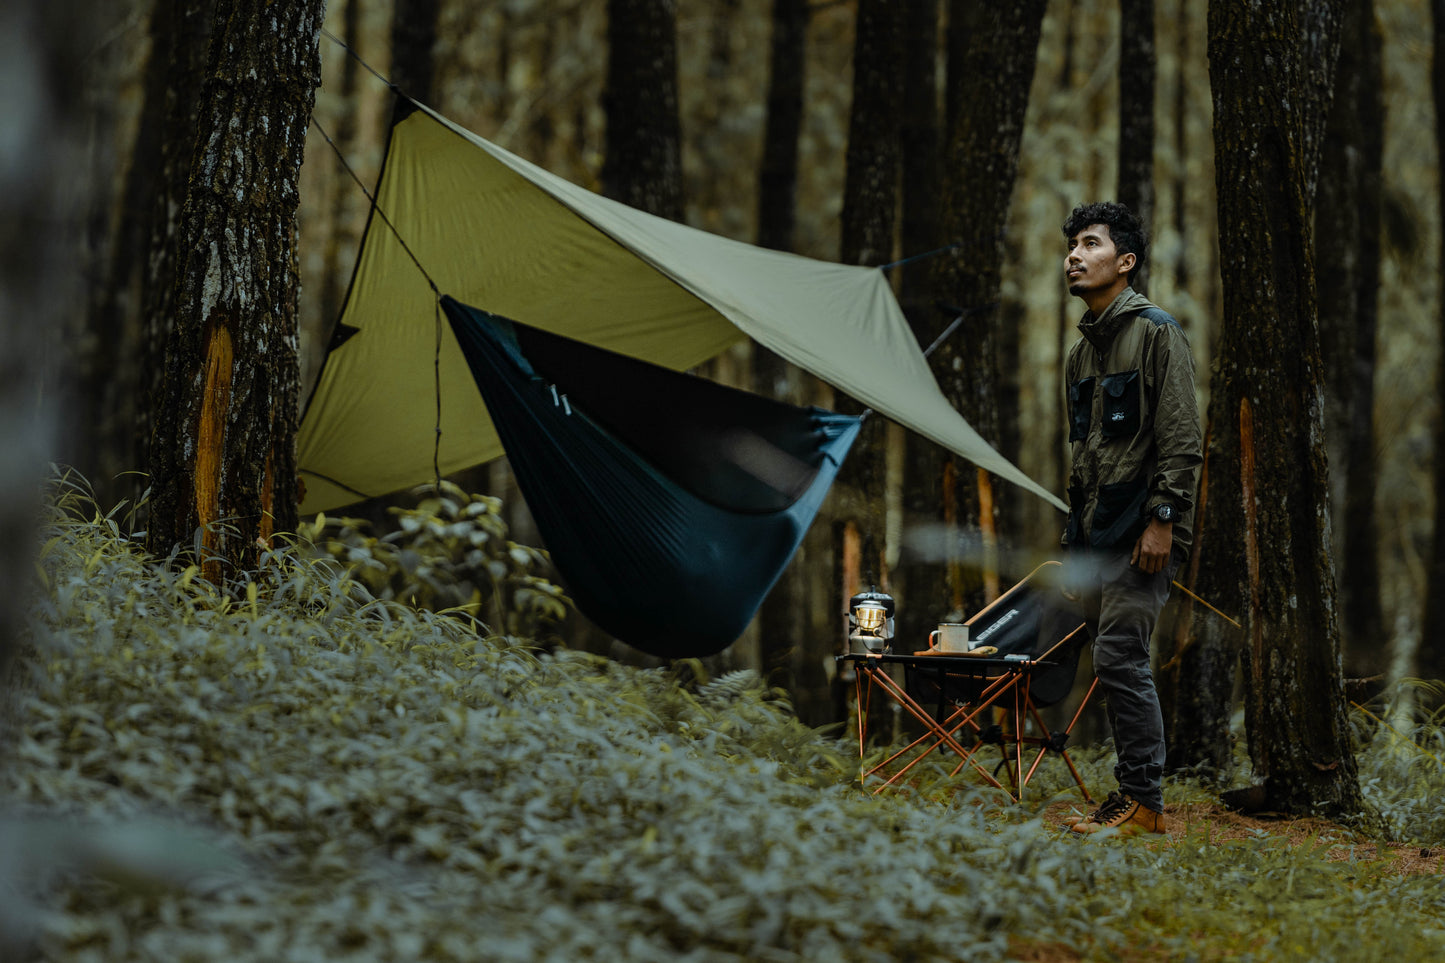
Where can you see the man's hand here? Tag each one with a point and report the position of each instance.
(1151, 552)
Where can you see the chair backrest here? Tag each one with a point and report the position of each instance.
(1032, 618)
(1025, 620)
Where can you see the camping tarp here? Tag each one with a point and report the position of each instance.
(493, 230)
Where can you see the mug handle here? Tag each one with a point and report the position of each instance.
(931, 643)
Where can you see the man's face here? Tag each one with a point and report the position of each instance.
(1093, 264)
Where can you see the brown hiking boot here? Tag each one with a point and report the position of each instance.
(1123, 813)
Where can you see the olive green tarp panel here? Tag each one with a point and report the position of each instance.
(489, 237)
(496, 231)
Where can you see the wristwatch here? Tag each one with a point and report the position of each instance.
(1165, 512)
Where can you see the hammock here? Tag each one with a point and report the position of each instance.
(669, 504)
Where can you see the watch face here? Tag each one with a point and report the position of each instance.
(1165, 513)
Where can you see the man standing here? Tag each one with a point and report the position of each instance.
(1136, 447)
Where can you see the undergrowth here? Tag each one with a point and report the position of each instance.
(303, 770)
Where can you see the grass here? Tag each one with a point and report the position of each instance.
(300, 770)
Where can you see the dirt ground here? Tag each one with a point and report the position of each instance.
(1222, 824)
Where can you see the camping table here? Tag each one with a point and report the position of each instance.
(993, 683)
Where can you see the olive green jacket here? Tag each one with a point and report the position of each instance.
(1133, 426)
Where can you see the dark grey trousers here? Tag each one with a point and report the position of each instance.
(1121, 606)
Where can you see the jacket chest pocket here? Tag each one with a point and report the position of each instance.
(1081, 408)
(1121, 404)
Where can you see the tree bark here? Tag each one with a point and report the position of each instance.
(43, 197)
(1267, 515)
(413, 37)
(340, 237)
(102, 435)
(1430, 659)
(1137, 71)
(223, 465)
(110, 429)
(1347, 245)
(778, 177)
(869, 222)
(643, 163)
(176, 72)
(919, 139)
(920, 233)
(993, 49)
(870, 189)
(788, 647)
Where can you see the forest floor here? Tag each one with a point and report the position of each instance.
(1217, 824)
(1189, 821)
(303, 771)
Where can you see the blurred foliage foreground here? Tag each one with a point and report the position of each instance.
(300, 769)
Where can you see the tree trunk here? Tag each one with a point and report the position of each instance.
(918, 138)
(870, 190)
(1347, 245)
(993, 49)
(788, 647)
(340, 243)
(1267, 517)
(643, 163)
(870, 203)
(1181, 143)
(1430, 660)
(778, 177)
(1200, 678)
(100, 440)
(413, 37)
(224, 459)
(920, 233)
(176, 71)
(43, 197)
(109, 430)
(1137, 64)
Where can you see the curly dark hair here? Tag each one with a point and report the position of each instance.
(1124, 228)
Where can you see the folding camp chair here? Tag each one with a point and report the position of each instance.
(1038, 636)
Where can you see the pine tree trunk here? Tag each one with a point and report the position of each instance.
(109, 432)
(1268, 486)
(43, 194)
(869, 222)
(101, 439)
(788, 648)
(413, 37)
(1201, 676)
(177, 67)
(920, 232)
(993, 49)
(1347, 246)
(341, 240)
(1430, 660)
(778, 177)
(643, 164)
(1137, 71)
(870, 203)
(224, 459)
(919, 140)
(870, 190)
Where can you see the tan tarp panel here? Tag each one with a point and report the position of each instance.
(499, 233)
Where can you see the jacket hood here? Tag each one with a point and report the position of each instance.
(1100, 330)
